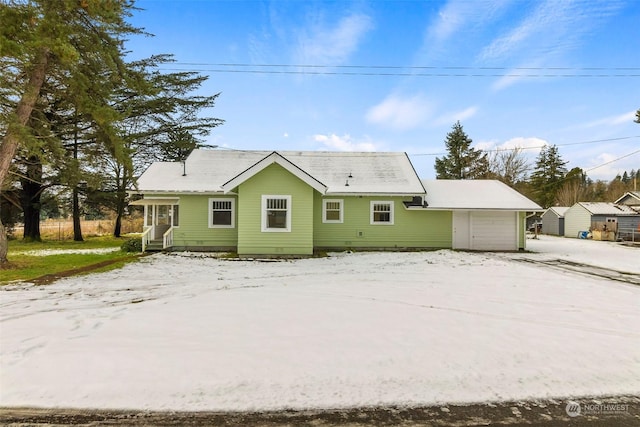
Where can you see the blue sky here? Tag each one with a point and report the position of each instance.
(395, 75)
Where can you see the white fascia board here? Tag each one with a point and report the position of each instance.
(268, 161)
(370, 193)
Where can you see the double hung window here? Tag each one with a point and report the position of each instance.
(222, 213)
(332, 210)
(276, 213)
(382, 212)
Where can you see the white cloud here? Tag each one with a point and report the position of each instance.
(608, 170)
(400, 113)
(621, 119)
(531, 145)
(331, 45)
(514, 75)
(545, 35)
(450, 118)
(344, 143)
(461, 14)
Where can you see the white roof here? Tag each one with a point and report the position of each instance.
(603, 208)
(559, 210)
(633, 196)
(475, 194)
(207, 171)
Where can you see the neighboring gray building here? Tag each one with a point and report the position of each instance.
(553, 220)
(600, 216)
(630, 198)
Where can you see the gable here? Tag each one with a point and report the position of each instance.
(631, 198)
(273, 159)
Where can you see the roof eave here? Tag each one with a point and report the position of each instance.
(270, 159)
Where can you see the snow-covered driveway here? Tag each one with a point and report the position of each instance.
(197, 333)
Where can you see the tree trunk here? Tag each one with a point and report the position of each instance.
(30, 199)
(11, 139)
(77, 229)
(4, 247)
(31, 212)
(121, 201)
(117, 229)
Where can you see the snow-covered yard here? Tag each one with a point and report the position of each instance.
(197, 333)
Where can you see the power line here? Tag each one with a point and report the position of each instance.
(497, 150)
(612, 161)
(408, 67)
(407, 70)
(312, 72)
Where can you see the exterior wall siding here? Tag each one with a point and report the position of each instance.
(522, 230)
(629, 223)
(416, 229)
(193, 231)
(410, 228)
(275, 180)
(550, 223)
(624, 221)
(576, 219)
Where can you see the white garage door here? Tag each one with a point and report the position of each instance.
(494, 231)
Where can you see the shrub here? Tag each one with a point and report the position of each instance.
(131, 245)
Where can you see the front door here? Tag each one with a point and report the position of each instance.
(160, 217)
(162, 220)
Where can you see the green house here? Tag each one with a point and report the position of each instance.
(259, 203)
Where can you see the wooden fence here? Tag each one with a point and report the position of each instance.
(62, 229)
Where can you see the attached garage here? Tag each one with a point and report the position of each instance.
(487, 214)
(485, 230)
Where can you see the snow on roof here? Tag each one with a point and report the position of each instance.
(475, 194)
(559, 210)
(603, 208)
(365, 172)
(632, 196)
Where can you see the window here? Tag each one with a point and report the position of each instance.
(148, 218)
(175, 215)
(332, 210)
(222, 213)
(276, 213)
(382, 213)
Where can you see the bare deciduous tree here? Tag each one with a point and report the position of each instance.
(509, 166)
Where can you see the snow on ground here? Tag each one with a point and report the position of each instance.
(353, 329)
(47, 252)
(601, 254)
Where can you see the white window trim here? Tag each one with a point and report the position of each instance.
(152, 210)
(173, 209)
(264, 227)
(233, 212)
(324, 211)
(391, 212)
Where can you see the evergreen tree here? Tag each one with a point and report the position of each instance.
(638, 116)
(547, 177)
(39, 38)
(461, 161)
